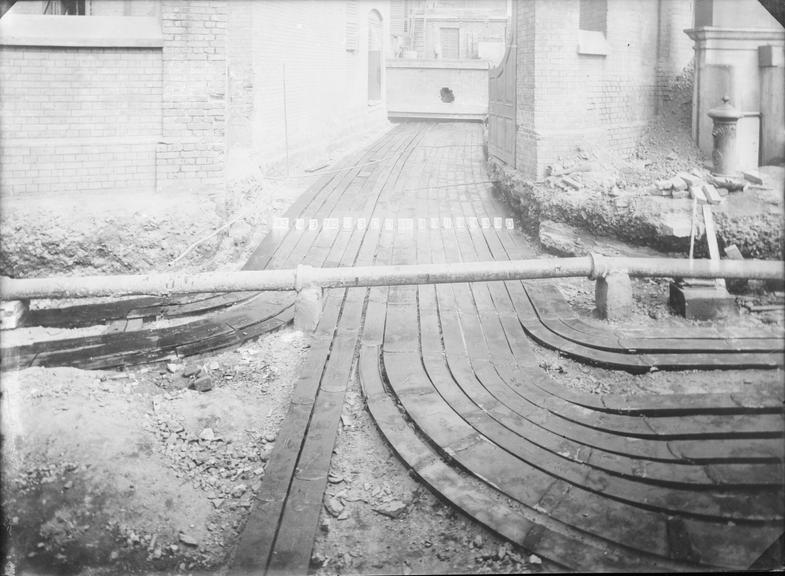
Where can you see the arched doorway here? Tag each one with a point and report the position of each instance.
(374, 56)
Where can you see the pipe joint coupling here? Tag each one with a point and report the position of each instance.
(303, 277)
(599, 267)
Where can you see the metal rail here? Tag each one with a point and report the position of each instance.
(592, 266)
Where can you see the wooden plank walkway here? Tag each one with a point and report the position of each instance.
(650, 482)
(601, 482)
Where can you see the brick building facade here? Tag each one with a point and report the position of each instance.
(153, 95)
(592, 71)
(450, 29)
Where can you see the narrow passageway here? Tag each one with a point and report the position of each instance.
(451, 379)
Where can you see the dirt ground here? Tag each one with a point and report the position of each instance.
(378, 519)
(135, 472)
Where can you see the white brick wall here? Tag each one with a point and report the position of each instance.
(191, 154)
(565, 98)
(127, 119)
(326, 85)
(78, 118)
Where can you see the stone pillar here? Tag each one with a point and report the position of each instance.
(724, 153)
(613, 295)
(308, 309)
(12, 313)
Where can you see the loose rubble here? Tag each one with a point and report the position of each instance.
(119, 471)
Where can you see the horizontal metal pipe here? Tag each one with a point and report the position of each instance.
(303, 276)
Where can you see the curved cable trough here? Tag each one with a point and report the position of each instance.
(648, 482)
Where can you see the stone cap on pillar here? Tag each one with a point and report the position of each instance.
(725, 111)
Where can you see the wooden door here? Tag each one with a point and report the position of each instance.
(450, 41)
(502, 125)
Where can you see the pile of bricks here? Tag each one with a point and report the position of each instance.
(704, 189)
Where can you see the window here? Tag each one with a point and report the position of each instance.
(594, 15)
(593, 26)
(65, 7)
(450, 42)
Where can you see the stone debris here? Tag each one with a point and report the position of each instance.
(188, 539)
(317, 560)
(570, 182)
(754, 177)
(207, 434)
(559, 238)
(534, 559)
(678, 184)
(12, 313)
(701, 186)
(172, 367)
(191, 370)
(334, 506)
(696, 192)
(711, 193)
(689, 179)
(730, 184)
(203, 384)
(393, 509)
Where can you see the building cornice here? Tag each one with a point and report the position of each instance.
(80, 31)
(758, 36)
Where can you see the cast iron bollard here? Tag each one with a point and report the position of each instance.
(725, 118)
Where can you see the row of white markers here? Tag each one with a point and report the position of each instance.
(392, 224)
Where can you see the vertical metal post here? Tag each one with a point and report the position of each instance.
(285, 119)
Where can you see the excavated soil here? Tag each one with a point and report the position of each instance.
(610, 193)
